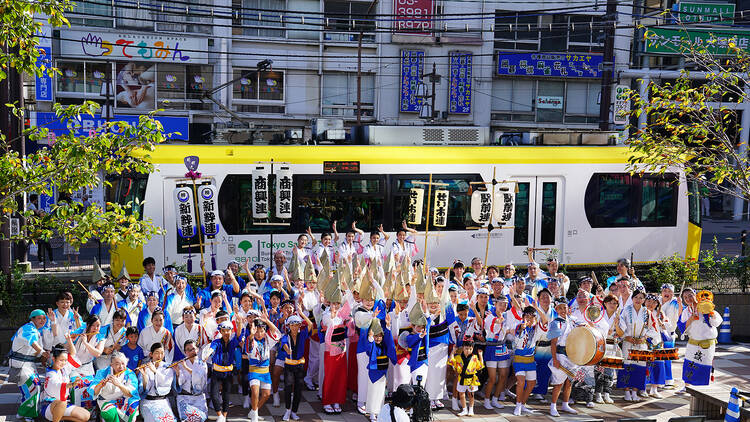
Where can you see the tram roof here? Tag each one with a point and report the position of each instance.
(315, 154)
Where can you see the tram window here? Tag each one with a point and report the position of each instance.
(656, 200)
(549, 212)
(694, 201)
(521, 229)
(126, 189)
(320, 200)
(459, 201)
(624, 200)
(235, 207)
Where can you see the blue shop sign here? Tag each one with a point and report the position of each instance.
(459, 100)
(176, 126)
(412, 62)
(564, 65)
(43, 85)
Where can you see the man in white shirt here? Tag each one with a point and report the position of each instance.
(150, 282)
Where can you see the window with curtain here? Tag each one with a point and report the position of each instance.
(295, 28)
(550, 89)
(531, 32)
(82, 77)
(582, 102)
(133, 18)
(175, 19)
(513, 99)
(180, 87)
(340, 94)
(265, 20)
(92, 13)
(253, 91)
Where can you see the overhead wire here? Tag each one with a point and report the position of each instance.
(325, 21)
(234, 8)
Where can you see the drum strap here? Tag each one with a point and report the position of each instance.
(21, 357)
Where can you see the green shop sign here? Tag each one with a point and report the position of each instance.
(693, 12)
(679, 41)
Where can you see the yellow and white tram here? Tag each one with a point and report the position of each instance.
(579, 200)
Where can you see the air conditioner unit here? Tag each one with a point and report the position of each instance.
(427, 135)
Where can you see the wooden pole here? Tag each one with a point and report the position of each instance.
(492, 210)
(198, 224)
(427, 221)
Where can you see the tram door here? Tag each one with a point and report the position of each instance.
(539, 217)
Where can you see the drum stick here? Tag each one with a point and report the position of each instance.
(84, 289)
(593, 277)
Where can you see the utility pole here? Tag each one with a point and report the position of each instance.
(11, 91)
(359, 65)
(434, 79)
(359, 78)
(609, 65)
(108, 113)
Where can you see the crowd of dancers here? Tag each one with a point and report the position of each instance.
(360, 315)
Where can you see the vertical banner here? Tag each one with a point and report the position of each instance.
(209, 208)
(260, 192)
(416, 199)
(412, 64)
(459, 95)
(43, 83)
(505, 203)
(185, 211)
(440, 214)
(481, 206)
(622, 105)
(284, 193)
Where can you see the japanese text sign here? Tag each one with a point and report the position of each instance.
(567, 65)
(416, 199)
(43, 85)
(678, 41)
(505, 203)
(260, 192)
(440, 214)
(284, 193)
(185, 211)
(413, 16)
(481, 206)
(412, 63)
(459, 96)
(161, 48)
(209, 208)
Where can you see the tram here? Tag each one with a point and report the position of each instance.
(577, 200)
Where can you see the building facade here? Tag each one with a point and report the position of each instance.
(519, 68)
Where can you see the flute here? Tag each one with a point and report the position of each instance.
(138, 368)
(173, 364)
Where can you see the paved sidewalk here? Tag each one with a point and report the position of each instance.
(732, 368)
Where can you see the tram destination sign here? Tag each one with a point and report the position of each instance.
(341, 167)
